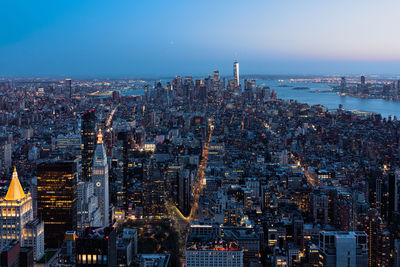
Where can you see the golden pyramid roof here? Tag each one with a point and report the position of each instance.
(99, 137)
(15, 191)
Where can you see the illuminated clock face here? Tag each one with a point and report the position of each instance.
(98, 184)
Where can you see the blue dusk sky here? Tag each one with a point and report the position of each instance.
(153, 38)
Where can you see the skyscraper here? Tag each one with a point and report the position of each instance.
(216, 81)
(216, 76)
(68, 87)
(177, 85)
(343, 84)
(57, 199)
(362, 80)
(188, 87)
(116, 96)
(88, 136)
(17, 220)
(125, 142)
(378, 238)
(87, 211)
(393, 196)
(249, 88)
(341, 248)
(236, 73)
(184, 192)
(100, 179)
(5, 153)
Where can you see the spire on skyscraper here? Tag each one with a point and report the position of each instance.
(15, 191)
(99, 137)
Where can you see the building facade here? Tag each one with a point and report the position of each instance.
(88, 138)
(17, 220)
(342, 248)
(236, 73)
(56, 185)
(100, 179)
(218, 253)
(97, 247)
(87, 207)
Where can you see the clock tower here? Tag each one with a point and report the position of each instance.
(100, 179)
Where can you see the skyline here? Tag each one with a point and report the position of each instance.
(200, 133)
(155, 38)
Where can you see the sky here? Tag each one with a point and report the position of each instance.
(160, 38)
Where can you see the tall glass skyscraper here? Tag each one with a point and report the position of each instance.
(236, 73)
(68, 86)
(88, 135)
(56, 181)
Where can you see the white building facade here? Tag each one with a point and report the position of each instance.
(88, 213)
(100, 179)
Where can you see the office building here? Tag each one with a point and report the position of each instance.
(5, 154)
(87, 207)
(9, 255)
(378, 238)
(88, 136)
(177, 85)
(218, 253)
(100, 179)
(116, 96)
(249, 88)
(17, 220)
(184, 192)
(341, 248)
(236, 73)
(343, 84)
(57, 199)
(216, 80)
(393, 196)
(34, 237)
(216, 76)
(126, 247)
(68, 142)
(97, 247)
(68, 87)
(247, 239)
(320, 207)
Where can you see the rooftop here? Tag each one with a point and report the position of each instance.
(221, 245)
(15, 191)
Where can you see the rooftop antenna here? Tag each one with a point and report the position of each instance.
(236, 56)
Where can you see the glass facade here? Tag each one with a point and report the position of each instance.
(88, 135)
(57, 199)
